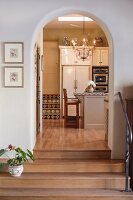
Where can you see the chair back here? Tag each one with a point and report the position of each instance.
(65, 95)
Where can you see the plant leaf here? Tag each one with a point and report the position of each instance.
(2, 151)
(30, 154)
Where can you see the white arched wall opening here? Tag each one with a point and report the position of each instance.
(51, 16)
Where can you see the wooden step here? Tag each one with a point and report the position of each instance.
(67, 154)
(76, 166)
(63, 194)
(68, 165)
(64, 180)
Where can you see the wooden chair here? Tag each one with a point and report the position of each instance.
(70, 121)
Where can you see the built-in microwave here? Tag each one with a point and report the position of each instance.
(100, 79)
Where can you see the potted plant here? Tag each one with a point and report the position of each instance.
(90, 86)
(18, 158)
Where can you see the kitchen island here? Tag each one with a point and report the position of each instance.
(92, 113)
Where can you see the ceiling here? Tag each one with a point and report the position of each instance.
(70, 24)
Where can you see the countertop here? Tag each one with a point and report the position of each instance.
(91, 94)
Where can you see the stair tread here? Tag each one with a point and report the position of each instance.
(70, 150)
(62, 192)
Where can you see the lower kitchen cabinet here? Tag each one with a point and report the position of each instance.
(92, 111)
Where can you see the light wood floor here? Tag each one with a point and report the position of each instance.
(56, 137)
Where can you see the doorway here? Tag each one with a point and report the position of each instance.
(49, 121)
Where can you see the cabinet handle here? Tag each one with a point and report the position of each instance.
(75, 84)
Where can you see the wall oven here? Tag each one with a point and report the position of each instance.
(101, 88)
(100, 75)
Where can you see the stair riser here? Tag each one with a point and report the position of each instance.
(64, 183)
(73, 155)
(81, 167)
(75, 168)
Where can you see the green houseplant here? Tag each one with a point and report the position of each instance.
(18, 158)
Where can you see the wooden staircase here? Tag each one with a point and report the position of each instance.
(65, 178)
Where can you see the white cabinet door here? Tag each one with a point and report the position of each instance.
(100, 56)
(68, 57)
(75, 80)
(82, 76)
(104, 57)
(96, 57)
(69, 80)
(69, 84)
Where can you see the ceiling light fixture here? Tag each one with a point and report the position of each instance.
(82, 52)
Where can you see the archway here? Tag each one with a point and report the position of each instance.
(55, 14)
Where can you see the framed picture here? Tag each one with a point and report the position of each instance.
(13, 77)
(13, 52)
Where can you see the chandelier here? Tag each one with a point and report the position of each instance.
(83, 51)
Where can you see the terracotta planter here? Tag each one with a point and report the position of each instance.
(15, 170)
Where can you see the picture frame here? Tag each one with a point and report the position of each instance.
(13, 52)
(13, 77)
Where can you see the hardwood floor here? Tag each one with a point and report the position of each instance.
(56, 137)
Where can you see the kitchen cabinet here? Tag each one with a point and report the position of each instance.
(92, 110)
(100, 56)
(75, 81)
(68, 57)
(74, 74)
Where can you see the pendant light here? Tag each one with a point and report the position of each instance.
(83, 51)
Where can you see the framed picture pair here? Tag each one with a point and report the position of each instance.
(13, 54)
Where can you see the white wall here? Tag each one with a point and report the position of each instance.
(21, 21)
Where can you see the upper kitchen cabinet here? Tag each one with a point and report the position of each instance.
(100, 56)
(68, 57)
